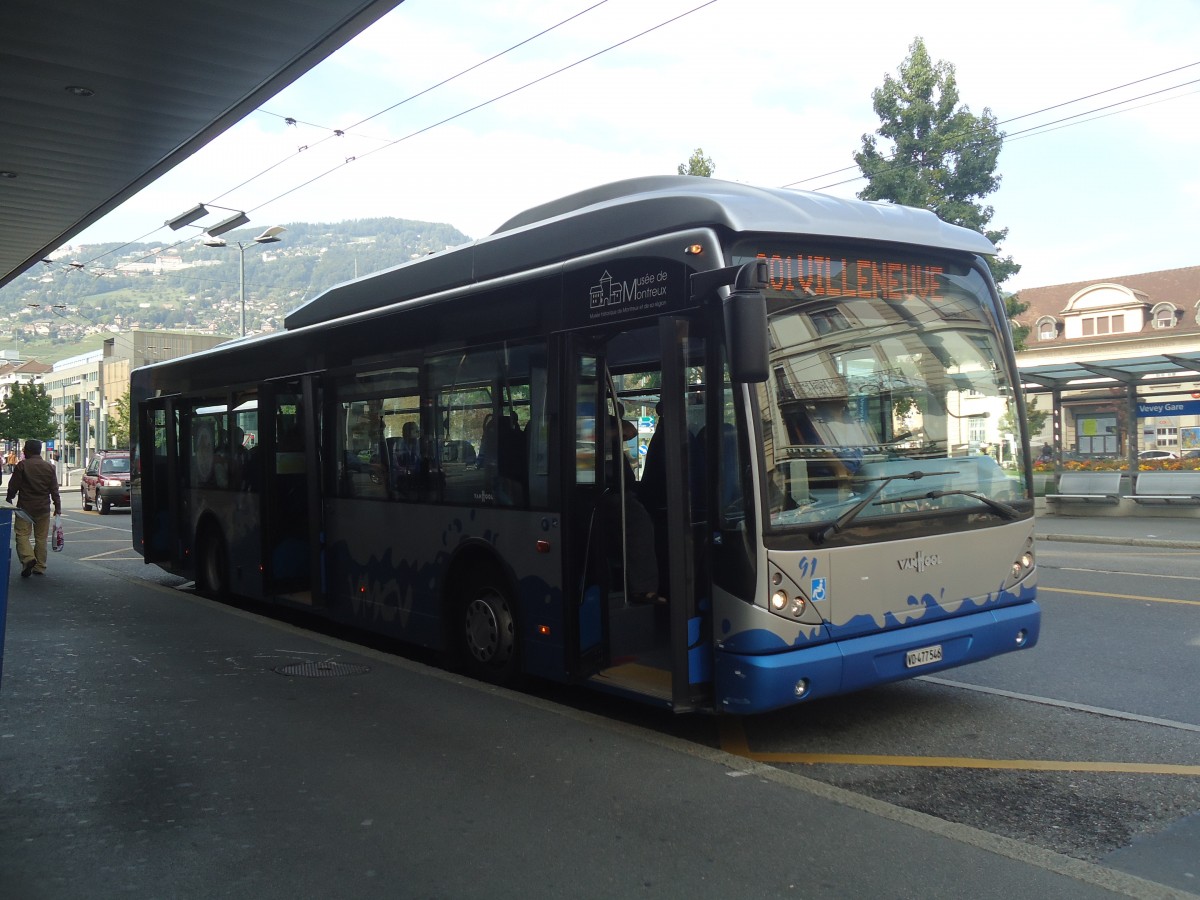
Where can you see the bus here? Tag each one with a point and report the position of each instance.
(711, 446)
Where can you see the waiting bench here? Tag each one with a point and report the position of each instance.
(1087, 487)
(1166, 487)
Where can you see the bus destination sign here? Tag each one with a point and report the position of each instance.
(831, 276)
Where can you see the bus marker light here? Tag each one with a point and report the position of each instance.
(543, 546)
(779, 600)
(694, 249)
(544, 630)
(1022, 637)
(801, 688)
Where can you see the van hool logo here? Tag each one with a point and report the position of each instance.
(610, 292)
(918, 562)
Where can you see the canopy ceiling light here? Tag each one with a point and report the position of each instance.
(234, 221)
(198, 211)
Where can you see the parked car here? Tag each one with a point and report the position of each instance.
(106, 482)
(1157, 454)
(1191, 454)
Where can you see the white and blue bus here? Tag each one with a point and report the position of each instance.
(704, 444)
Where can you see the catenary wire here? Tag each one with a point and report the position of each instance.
(1035, 129)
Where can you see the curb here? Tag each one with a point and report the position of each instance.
(1131, 542)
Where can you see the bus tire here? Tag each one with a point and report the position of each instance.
(212, 566)
(487, 631)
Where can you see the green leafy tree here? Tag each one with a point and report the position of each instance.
(698, 164)
(942, 157)
(26, 414)
(1035, 419)
(118, 423)
(1013, 307)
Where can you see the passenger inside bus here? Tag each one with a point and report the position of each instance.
(504, 456)
(409, 465)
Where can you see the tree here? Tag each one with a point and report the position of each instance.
(1035, 419)
(1013, 307)
(698, 164)
(118, 423)
(943, 158)
(26, 414)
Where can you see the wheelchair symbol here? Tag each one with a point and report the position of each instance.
(818, 590)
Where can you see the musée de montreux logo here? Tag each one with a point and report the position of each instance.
(640, 294)
(918, 562)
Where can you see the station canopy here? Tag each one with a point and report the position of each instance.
(1131, 372)
(97, 100)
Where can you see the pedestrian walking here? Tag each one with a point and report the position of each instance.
(34, 483)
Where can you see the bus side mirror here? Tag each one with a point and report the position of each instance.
(745, 312)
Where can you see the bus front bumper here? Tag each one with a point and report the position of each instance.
(748, 684)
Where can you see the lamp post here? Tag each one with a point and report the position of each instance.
(270, 236)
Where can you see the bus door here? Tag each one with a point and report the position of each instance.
(290, 467)
(156, 469)
(683, 408)
(588, 576)
(630, 571)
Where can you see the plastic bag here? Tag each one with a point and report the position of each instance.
(56, 538)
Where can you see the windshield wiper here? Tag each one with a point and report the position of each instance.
(1009, 512)
(839, 524)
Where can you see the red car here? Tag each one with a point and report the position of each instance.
(106, 482)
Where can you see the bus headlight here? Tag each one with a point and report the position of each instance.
(1022, 566)
(786, 598)
(792, 606)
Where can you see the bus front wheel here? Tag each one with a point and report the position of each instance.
(488, 632)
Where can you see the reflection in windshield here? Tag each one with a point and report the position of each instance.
(864, 390)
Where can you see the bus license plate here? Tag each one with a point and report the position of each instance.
(923, 657)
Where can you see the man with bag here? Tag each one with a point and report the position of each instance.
(35, 483)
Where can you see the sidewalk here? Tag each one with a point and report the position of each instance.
(156, 744)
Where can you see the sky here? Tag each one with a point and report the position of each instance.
(776, 92)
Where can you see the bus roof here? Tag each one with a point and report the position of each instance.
(624, 211)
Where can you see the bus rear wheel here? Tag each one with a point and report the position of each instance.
(488, 633)
(212, 568)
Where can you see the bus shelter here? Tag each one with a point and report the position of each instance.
(1133, 386)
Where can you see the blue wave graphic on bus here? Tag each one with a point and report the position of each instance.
(761, 640)
(931, 610)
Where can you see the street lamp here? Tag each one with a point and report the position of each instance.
(270, 236)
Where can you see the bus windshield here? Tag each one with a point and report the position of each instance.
(888, 393)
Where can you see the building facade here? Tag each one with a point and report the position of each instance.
(100, 378)
(1135, 340)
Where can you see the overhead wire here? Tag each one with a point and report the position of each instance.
(479, 106)
(1033, 113)
(1041, 128)
(341, 132)
(435, 124)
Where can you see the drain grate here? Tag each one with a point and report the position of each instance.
(322, 669)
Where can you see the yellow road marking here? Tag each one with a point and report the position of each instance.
(734, 742)
(1119, 596)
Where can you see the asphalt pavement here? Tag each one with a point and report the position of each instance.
(155, 744)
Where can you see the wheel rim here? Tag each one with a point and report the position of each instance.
(489, 629)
